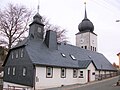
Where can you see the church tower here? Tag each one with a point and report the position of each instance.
(86, 38)
(36, 30)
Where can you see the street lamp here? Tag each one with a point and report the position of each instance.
(117, 20)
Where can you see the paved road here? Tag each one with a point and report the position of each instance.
(107, 84)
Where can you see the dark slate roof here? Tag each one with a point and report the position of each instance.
(84, 64)
(40, 54)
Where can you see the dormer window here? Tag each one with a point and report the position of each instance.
(63, 54)
(73, 57)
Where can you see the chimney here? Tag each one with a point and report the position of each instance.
(51, 40)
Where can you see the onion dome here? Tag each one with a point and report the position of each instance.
(37, 18)
(86, 24)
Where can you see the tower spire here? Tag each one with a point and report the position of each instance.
(38, 7)
(85, 11)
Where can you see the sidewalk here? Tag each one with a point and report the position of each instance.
(70, 87)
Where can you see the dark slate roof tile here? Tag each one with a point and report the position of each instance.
(84, 64)
(40, 54)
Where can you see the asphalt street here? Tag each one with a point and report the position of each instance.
(107, 84)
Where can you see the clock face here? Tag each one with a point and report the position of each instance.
(39, 30)
(82, 40)
(93, 41)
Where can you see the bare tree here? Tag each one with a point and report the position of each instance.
(13, 24)
(61, 37)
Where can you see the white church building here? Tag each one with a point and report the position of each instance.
(39, 63)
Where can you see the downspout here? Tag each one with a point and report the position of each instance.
(34, 76)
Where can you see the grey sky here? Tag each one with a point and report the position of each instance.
(69, 13)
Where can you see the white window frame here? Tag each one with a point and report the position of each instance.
(12, 55)
(8, 70)
(81, 74)
(24, 71)
(63, 72)
(14, 70)
(22, 53)
(16, 54)
(75, 73)
(49, 72)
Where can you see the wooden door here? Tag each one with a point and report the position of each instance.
(88, 75)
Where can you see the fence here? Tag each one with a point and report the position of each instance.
(104, 76)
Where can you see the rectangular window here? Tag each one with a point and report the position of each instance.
(12, 55)
(8, 70)
(81, 74)
(63, 72)
(13, 70)
(24, 71)
(85, 47)
(75, 73)
(49, 72)
(16, 54)
(22, 53)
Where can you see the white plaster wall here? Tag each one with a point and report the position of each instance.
(56, 80)
(93, 40)
(85, 74)
(17, 86)
(92, 70)
(89, 39)
(84, 79)
(84, 37)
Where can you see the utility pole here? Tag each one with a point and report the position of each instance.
(118, 82)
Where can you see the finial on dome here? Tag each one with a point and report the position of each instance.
(85, 11)
(86, 25)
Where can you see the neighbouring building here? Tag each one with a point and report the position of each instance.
(39, 63)
(119, 59)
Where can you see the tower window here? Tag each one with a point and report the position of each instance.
(81, 46)
(85, 47)
(91, 48)
(95, 48)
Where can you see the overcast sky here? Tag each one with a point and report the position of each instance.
(69, 13)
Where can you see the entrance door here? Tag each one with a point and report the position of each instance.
(88, 75)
